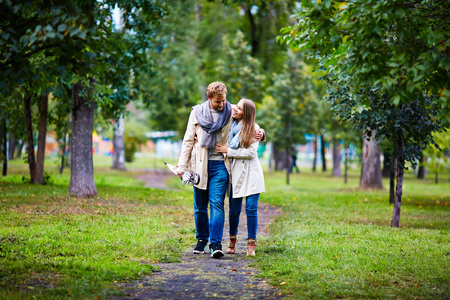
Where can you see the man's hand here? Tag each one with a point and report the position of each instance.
(221, 148)
(259, 135)
(180, 174)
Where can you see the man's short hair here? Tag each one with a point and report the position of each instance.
(216, 88)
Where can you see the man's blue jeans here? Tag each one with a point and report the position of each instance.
(215, 195)
(251, 208)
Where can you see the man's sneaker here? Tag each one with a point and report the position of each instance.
(216, 250)
(201, 246)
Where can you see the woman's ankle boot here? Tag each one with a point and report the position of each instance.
(251, 246)
(232, 246)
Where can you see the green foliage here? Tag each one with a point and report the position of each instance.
(387, 65)
(175, 85)
(240, 71)
(134, 137)
(400, 47)
(286, 110)
(437, 159)
(410, 125)
(261, 21)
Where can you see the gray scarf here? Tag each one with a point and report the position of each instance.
(206, 121)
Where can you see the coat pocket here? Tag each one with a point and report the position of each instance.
(240, 181)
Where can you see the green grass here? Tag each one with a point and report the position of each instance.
(54, 246)
(334, 240)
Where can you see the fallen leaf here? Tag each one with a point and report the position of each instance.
(282, 283)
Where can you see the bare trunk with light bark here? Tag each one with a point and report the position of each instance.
(371, 177)
(118, 143)
(81, 166)
(315, 155)
(336, 158)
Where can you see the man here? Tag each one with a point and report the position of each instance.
(210, 123)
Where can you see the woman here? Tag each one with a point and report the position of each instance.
(247, 178)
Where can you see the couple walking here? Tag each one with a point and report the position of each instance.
(220, 144)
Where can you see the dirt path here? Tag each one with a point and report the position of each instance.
(156, 178)
(201, 277)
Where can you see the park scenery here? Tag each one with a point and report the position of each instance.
(354, 101)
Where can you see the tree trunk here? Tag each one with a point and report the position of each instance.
(63, 154)
(399, 190)
(81, 166)
(436, 177)
(253, 30)
(421, 170)
(281, 159)
(346, 165)
(386, 165)
(118, 143)
(322, 146)
(287, 164)
(336, 158)
(393, 166)
(12, 146)
(315, 155)
(371, 166)
(20, 148)
(272, 158)
(5, 148)
(43, 109)
(31, 159)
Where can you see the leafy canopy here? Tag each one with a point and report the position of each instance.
(400, 46)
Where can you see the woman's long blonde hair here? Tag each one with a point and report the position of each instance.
(247, 134)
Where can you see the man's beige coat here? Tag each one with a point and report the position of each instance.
(195, 158)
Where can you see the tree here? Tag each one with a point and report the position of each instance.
(437, 158)
(261, 22)
(175, 85)
(389, 52)
(285, 111)
(75, 39)
(81, 166)
(241, 72)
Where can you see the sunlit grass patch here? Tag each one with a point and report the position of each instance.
(334, 240)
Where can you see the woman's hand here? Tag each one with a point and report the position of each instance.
(221, 148)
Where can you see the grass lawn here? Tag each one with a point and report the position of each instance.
(333, 240)
(55, 246)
